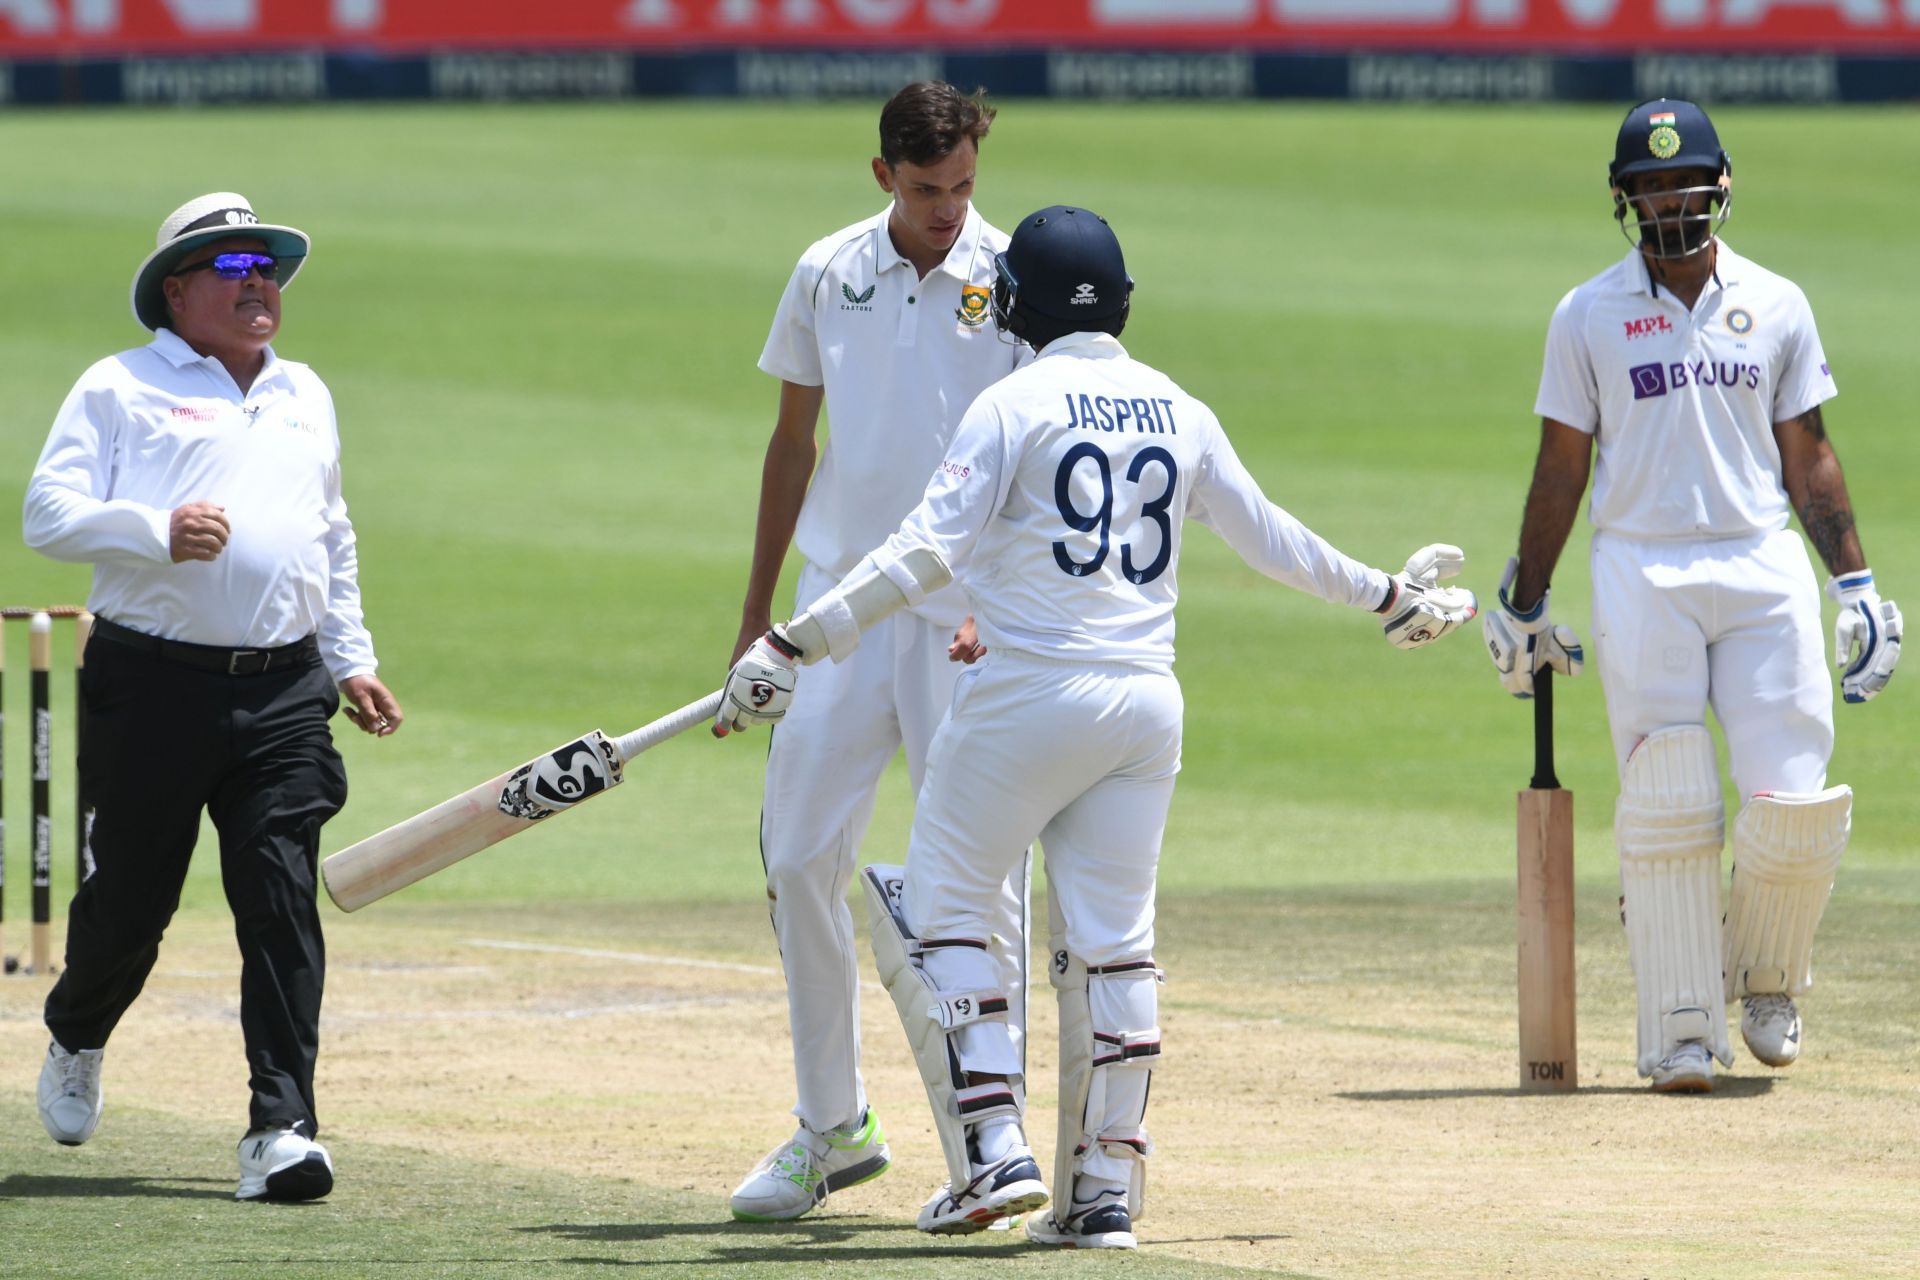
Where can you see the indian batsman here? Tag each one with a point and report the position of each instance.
(1695, 377)
(1060, 508)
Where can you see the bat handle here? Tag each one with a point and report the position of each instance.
(632, 744)
(1543, 775)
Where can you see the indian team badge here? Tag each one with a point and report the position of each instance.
(1739, 321)
(1664, 142)
(973, 305)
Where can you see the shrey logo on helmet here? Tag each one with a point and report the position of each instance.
(1084, 296)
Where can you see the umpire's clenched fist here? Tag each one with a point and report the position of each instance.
(198, 531)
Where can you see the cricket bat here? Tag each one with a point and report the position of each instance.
(569, 775)
(1547, 1058)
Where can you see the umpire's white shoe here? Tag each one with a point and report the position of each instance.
(70, 1099)
(1099, 1223)
(283, 1164)
(1771, 1027)
(1688, 1069)
(1008, 1186)
(799, 1174)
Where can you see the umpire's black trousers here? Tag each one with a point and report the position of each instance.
(165, 739)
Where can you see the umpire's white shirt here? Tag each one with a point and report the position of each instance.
(1060, 505)
(901, 358)
(160, 426)
(1683, 402)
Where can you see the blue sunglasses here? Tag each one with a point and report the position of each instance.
(235, 266)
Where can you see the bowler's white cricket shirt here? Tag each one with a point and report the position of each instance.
(160, 426)
(901, 358)
(1683, 403)
(1059, 507)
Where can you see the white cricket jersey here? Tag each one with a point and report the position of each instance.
(1059, 507)
(160, 426)
(901, 358)
(1683, 403)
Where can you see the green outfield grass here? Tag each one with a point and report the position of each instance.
(540, 327)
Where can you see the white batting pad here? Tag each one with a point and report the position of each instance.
(932, 1017)
(1109, 1045)
(1669, 825)
(1786, 848)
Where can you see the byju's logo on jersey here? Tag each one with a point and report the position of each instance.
(857, 301)
(1084, 296)
(1647, 326)
(1648, 380)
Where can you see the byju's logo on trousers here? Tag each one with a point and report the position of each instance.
(1649, 380)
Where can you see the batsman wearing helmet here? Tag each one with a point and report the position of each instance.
(1689, 381)
(1060, 508)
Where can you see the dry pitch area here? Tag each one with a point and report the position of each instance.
(1337, 1097)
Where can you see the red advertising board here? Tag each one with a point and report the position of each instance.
(42, 28)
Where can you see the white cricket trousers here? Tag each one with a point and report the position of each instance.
(1734, 622)
(824, 764)
(1081, 756)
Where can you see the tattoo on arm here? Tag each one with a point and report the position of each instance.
(1819, 493)
(1828, 520)
(1813, 424)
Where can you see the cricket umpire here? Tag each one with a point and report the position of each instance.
(200, 476)
(1689, 380)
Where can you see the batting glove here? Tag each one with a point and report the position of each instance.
(759, 689)
(1418, 611)
(1521, 641)
(1866, 636)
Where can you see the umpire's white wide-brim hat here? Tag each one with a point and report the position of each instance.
(216, 216)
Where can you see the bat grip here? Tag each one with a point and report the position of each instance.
(632, 744)
(1543, 775)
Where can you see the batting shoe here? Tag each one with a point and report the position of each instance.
(1688, 1069)
(1099, 1223)
(283, 1164)
(70, 1099)
(1770, 1025)
(1008, 1186)
(800, 1174)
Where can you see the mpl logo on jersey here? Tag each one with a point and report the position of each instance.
(1647, 326)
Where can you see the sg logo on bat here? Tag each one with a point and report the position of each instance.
(562, 778)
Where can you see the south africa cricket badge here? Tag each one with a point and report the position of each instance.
(973, 305)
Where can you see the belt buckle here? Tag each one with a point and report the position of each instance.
(233, 660)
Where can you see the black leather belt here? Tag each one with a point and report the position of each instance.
(207, 657)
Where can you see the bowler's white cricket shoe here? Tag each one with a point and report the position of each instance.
(283, 1164)
(801, 1173)
(70, 1099)
(1008, 1186)
(1688, 1069)
(1771, 1027)
(1099, 1223)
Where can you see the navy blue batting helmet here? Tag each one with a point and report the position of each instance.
(1666, 133)
(1062, 273)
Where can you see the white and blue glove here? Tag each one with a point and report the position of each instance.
(759, 689)
(1523, 641)
(1866, 637)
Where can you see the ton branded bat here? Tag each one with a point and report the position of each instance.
(1547, 1060)
(504, 806)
